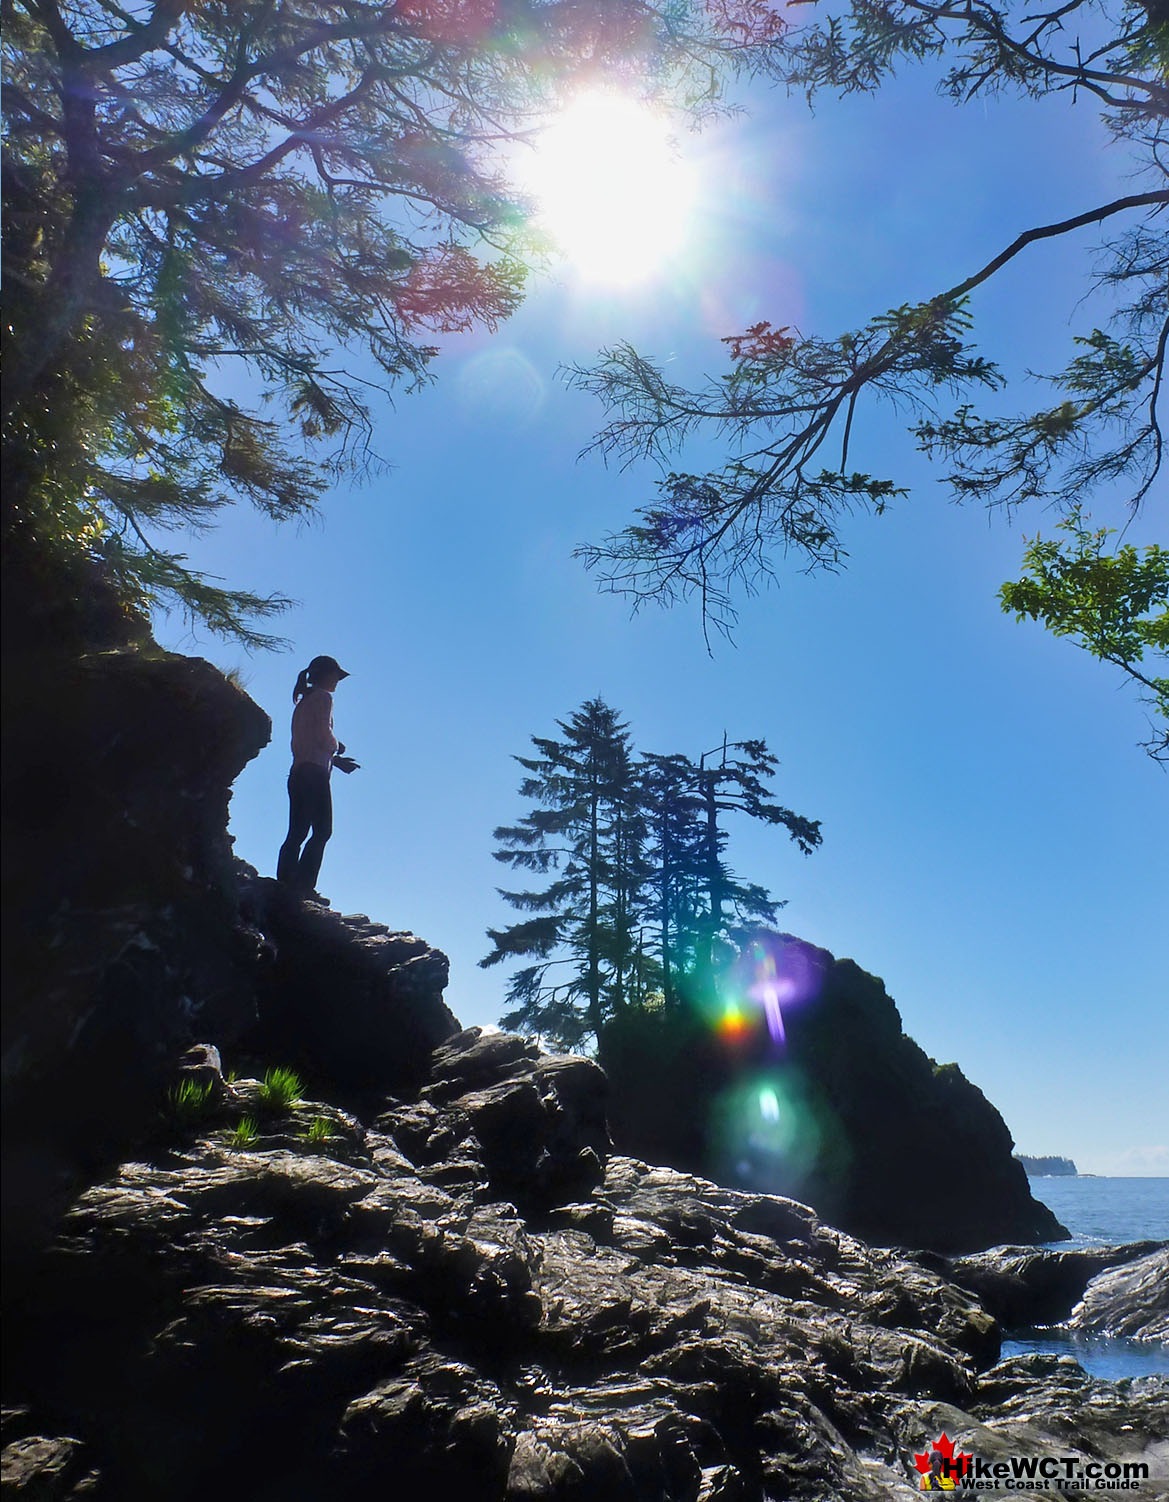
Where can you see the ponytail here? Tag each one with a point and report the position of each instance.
(301, 688)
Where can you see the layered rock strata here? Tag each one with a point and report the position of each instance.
(337, 1309)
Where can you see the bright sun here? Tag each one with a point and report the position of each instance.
(610, 191)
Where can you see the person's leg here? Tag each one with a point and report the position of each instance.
(313, 853)
(299, 821)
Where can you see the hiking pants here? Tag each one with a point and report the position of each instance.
(310, 806)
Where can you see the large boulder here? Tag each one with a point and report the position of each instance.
(1022, 1286)
(1130, 1300)
(354, 1005)
(831, 1103)
(532, 1125)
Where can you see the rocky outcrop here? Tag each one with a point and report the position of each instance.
(349, 1002)
(1023, 1287)
(122, 941)
(42, 1467)
(1130, 1300)
(831, 1103)
(332, 1308)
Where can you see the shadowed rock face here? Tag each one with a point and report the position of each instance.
(882, 1141)
(348, 1002)
(453, 1289)
(130, 931)
(122, 942)
(373, 1314)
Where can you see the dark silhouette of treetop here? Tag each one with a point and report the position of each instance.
(642, 897)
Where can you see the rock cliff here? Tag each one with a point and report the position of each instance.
(130, 931)
(845, 1112)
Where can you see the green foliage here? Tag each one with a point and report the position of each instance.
(785, 410)
(1115, 604)
(190, 1101)
(320, 1130)
(642, 900)
(245, 1133)
(586, 829)
(281, 1089)
(292, 199)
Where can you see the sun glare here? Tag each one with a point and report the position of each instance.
(610, 190)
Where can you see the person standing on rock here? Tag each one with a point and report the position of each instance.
(315, 752)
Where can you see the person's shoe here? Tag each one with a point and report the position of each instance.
(315, 897)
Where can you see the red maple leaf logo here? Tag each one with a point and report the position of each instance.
(955, 1465)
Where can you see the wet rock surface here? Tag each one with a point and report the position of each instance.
(1023, 1286)
(1130, 1300)
(458, 1295)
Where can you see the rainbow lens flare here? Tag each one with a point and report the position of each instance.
(733, 1024)
(773, 974)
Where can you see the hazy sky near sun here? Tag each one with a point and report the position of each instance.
(994, 840)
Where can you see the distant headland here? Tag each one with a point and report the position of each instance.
(1048, 1168)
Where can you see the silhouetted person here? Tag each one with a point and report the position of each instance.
(315, 752)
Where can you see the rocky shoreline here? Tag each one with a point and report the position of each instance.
(434, 1275)
(462, 1293)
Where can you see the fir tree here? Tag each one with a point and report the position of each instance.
(586, 830)
(670, 796)
(701, 900)
(202, 201)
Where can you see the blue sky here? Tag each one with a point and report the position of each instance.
(994, 840)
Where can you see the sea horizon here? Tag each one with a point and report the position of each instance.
(1103, 1209)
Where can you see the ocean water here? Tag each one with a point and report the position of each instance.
(1102, 1212)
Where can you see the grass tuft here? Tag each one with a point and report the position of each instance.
(245, 1133)
(281, 1089)
(189, 1101)
(320, 1129)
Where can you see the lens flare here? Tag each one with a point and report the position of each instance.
(733, 1025)
(501, 388)
(772, 1131)
(773, 975)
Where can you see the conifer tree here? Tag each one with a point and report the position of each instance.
(584, 831)
(701, 900)
(789, 412)
(227, 228)
(669, 793)
(641, 893)
(735, 784)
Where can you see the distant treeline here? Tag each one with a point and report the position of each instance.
(638, 899)
(1048, 1168)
